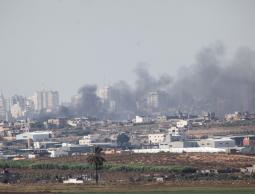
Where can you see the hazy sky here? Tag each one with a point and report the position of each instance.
(62, 45)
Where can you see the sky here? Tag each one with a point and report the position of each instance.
(64, 44)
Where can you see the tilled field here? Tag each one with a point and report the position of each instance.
(198, 160)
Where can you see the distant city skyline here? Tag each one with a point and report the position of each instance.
(62, 45)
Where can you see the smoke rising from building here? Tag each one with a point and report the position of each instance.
(89, 103)
(146, 83)
(217, 84)
(213, 83)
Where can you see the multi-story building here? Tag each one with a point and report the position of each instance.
(3, 110)
(53, 100)
(156, 138)
(217, 142)
(103, 93)
(86, 140)
(46, 100)
(17, 99)
(153, 100)
(29, 108)
(35, 136)
(16, 111)
(156, 100)
(17, 106)
(182, 123)
(141, 119)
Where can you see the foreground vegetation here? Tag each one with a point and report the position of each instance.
(134, 169)
(29, 164)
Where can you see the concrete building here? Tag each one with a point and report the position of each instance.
(17, 106)
(103, 93)
(177, 134)
(141, 119)
(217, 143)
(45, 144)
(3, 108)
(16, 111)
(46, 100)
(157, 100)
(182, 123)
(86, 140)
(57, 152)
(29, 107)
(153, 100)
(208, 116)
(69, 150)
(58, 122)
(176, 138)
(35, 136)
(178, 144)
(233, 117)
(17, 99)
(53, 100)
(20, 106)
(156, 138)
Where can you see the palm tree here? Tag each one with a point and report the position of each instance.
(97, 160)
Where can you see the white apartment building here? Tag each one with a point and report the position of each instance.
(156, 138)
(182, 123)
(86, 140)
(141, 119)
(35, 136)
(176, 133)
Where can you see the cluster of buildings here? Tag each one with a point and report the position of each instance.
(67, 136)
(176, 140)
(17, 106)
(75, 136)
(238, 116)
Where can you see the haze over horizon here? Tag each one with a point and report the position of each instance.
(62, 45)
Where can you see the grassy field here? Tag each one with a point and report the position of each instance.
(125, 189)
(185, 191)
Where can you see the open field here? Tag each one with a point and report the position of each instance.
(131, 169)
(122, 189)
(199, 160)
(136, 173)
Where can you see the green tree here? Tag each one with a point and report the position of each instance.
(97, 160)
(123, 140)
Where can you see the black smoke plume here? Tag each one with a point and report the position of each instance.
(89, 103)
(213, 84)
(217, 84)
